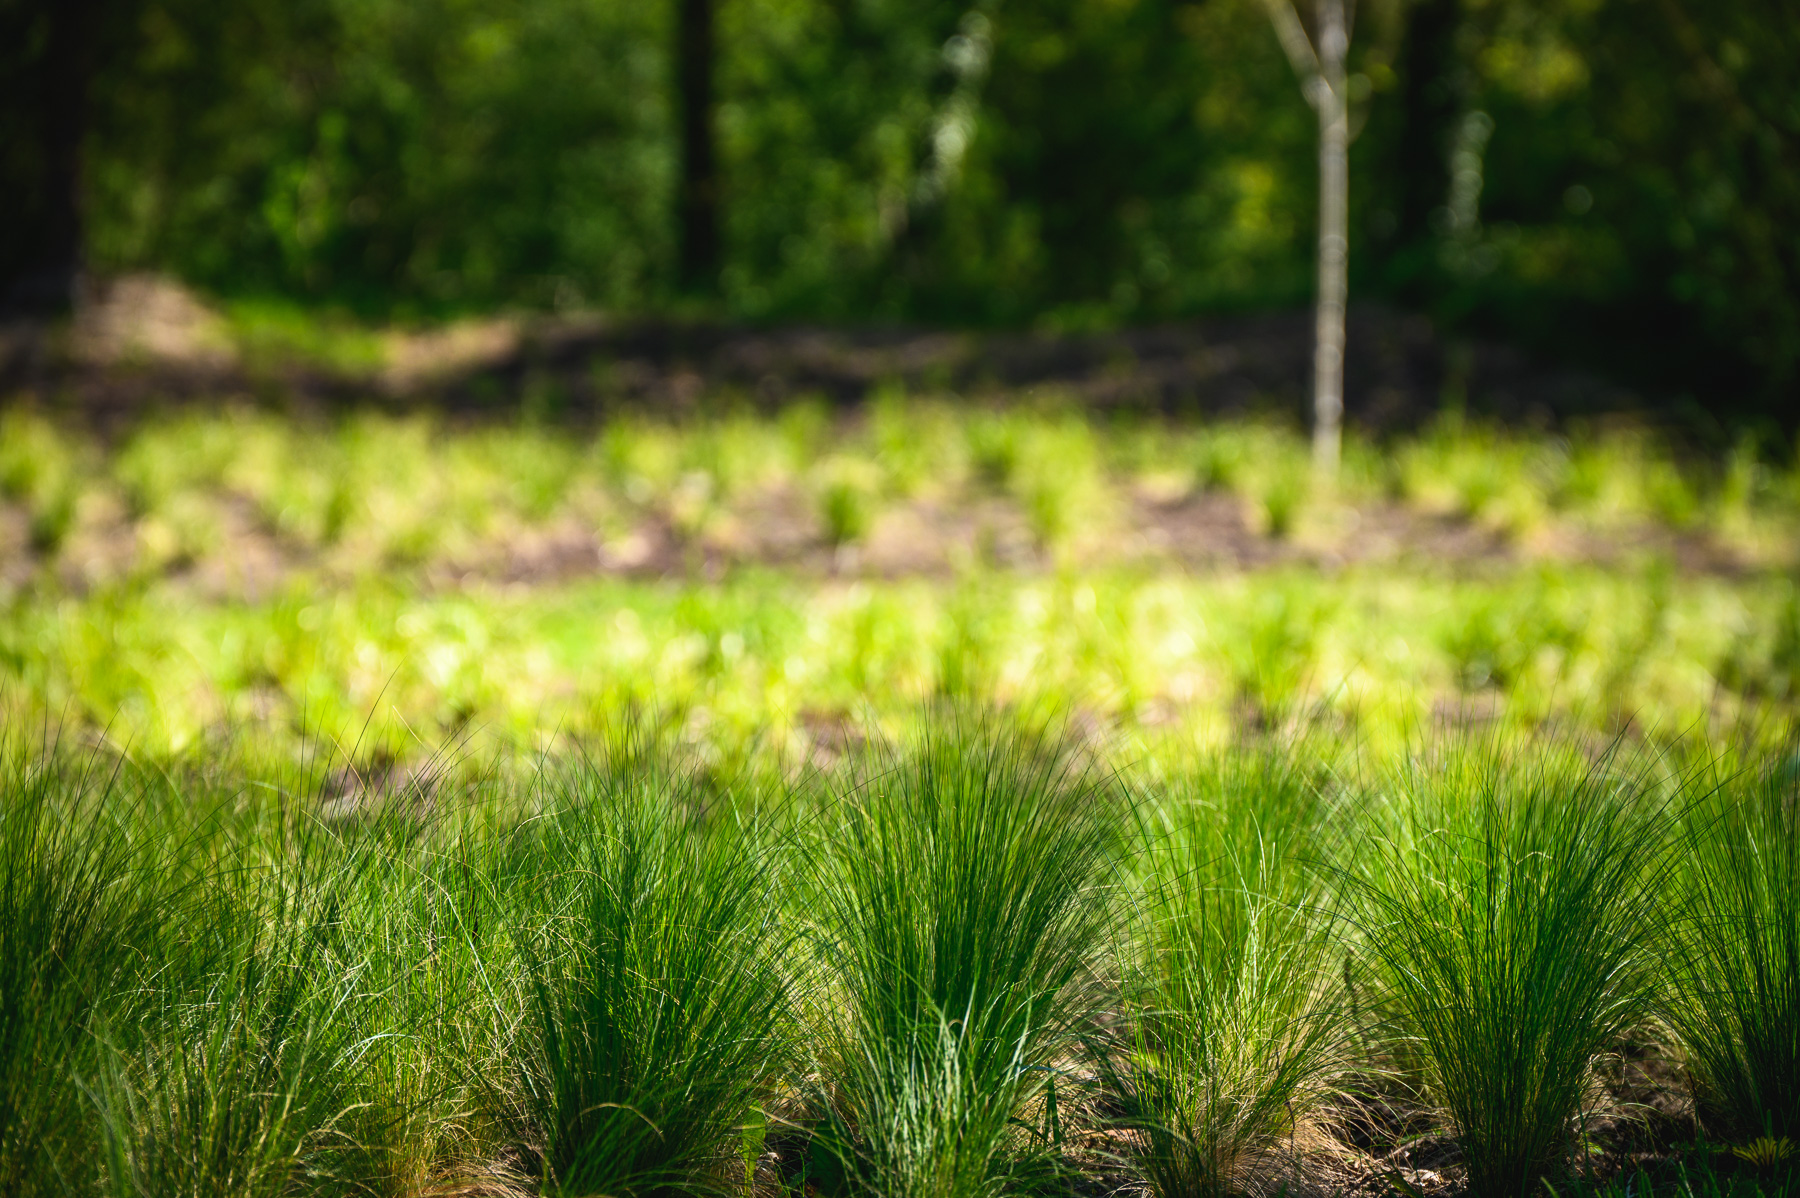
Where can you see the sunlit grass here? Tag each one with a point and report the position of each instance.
(960, 895)
(760, 655)
(451, 809)
(1508, 907)
(1735, 981)
(362, 493)
(67, 908)
(656, 1010)
(940, 965)
(1235, 1029)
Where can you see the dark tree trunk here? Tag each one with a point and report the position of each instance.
(49, 264)
(1430, 103)
(699, 197)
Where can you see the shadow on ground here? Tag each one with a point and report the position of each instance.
(146, 341)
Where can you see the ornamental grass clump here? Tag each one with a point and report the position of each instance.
(1506, 903)
(68, 919)
(960, 892)
(656, 1010)
(1234, 1033)
(249, 1045)
(1735, 956)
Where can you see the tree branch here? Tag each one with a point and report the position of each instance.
(1298, 47)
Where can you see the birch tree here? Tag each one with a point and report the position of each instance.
(1319, 62)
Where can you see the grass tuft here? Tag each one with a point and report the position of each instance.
(656, 1013)
(1507, 905)
(1234, 1033)
(70, 919)
(960, 897)
(1735, 976)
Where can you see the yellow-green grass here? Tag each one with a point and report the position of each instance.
(190, 492)
(772, 577)
(783, 660)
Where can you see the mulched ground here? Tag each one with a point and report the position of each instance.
(1209, 532)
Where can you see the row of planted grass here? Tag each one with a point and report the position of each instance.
(951, 969)
(370, 490)
(771, 659)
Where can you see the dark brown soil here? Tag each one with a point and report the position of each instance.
(1399, 371)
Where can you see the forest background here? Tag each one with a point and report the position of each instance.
(1613, 183)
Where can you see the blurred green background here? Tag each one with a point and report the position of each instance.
(1610, 182)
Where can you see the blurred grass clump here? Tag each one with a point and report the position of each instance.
(367, 492)
(763, 571)
(39, 470)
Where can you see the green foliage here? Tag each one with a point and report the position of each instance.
(1508, 906)
(1612, 189)
(1708, 1173)
(248, 1063)
(1500, 643)
(659, 963)
(1478, 472)
(39, 469)
(847, 500)
(1274, 649)
(918, 443)
(1282, 499)
(1735, 976)
(1265, 464)
(994, 447)
(1764, 658)
(1058, 480)
(1236, 1031)
(958, 889)
(1218, 461)
(657, 1012)
(67, 913)
(342, 148)
(277, 575)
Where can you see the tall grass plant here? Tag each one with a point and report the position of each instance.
(1505, 897)
(1735, 955)
(71, 920)
(1234, 1024)
(961, 892)
(656, 1012)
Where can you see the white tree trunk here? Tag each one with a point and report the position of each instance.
(1334, 238)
